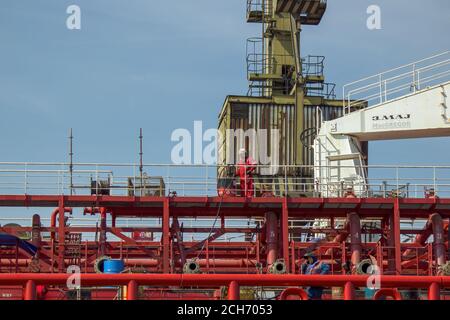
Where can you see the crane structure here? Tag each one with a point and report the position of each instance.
(339, 161)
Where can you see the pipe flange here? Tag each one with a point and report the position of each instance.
(278, 267)
(192, 267)
(98, 264)
(365, 267)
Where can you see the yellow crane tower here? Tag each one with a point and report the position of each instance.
(286, 92)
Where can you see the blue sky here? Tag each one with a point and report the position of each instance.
(161, 65)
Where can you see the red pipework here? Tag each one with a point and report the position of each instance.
(384, 293)
(213, 280)
(233, 281)
(341, 237)
(293, 294)
(355, 235)
(422, 237)
(213, 263)
(434, 291)
(220, 263)
(132, 290)
(102, 231)
(234, 291)
(30, 290)
(103, 225)
(438, 235)
(113, 220)
(245, 265)
(36, 231)
(349, 291)
(55, 213)
(271, 237)
(434, 226)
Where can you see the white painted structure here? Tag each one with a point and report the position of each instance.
(339, 160)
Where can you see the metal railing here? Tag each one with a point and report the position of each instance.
(397, 82)
(325, 90)
(143, 223)
(259, 10)
(264, 64)
(299, 229)
(202, 180)
(267, 73)
(313, 65)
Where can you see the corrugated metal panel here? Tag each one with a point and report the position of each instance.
(271, 117)
(259, 117)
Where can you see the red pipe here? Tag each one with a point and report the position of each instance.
(341, 237)
(271, 237)
(132, 290)
(55, 213)
(293, 294)
(412, 264)
(30, 290)
(103, 226)
(206, 280)
(113, 220)
(422, 237)
(36, 231)
(434, 291)
(212, 263)
(349, 291)
(233, 291)
(355, 236)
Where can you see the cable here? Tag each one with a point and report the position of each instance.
(212, 227)
(210, 233)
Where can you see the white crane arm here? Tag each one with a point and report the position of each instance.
(338, 158)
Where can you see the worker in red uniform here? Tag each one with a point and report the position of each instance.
(245, 169)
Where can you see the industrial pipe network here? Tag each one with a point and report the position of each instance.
(434, 283)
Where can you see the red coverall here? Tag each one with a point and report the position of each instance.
(245, 173)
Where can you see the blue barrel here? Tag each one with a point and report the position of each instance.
(113, 266)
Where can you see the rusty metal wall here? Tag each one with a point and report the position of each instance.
(259, 116)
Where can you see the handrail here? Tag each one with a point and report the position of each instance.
(204, 180)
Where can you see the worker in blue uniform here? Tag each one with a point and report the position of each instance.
(314, 266)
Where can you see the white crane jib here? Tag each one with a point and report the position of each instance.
(338, 158)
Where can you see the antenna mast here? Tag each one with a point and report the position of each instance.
(141, 164)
